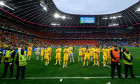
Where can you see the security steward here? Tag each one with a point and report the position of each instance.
(21, 63)
(127, 59)
(115, 56)
(8, 61)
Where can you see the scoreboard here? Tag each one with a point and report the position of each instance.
(87, 20)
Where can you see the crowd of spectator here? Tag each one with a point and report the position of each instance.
(15, 39)
(14, 32)
(128, 42)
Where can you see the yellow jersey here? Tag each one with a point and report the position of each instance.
(30, 49)
(66, 51)
(87, 52)
(83, 49)
(80, 50)
(42, 50)
(58, 50)
(47, 51)
(105, 51)
(109, 50)
(70, 49)
(99, 50)
(96, 51)
(91, 51)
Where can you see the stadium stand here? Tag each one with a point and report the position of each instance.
(13, 31)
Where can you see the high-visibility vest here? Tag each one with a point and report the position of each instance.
(8, 54)
(116, 54)
(0, 53)
(22, 59)
(128, 56)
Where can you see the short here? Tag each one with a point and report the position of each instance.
(58, 55)
(87, 57)
(37, 53)
(42, 54)
(91, 54)
(70, 54)
(104, 57)
(96, 57)
(83, 54)
(29, 53)
(80, 54)
(46, 57)
(65, 57)
(50, 55)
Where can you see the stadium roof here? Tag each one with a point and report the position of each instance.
(93, 7)
(45, 13)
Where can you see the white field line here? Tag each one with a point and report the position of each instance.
(104, 77)
(115, 69)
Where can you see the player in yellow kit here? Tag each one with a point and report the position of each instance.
(58, 55)
(29, 52)
(46, 57)
(96, 56)
(71, 53)
(91, 52)
(65, 59)
(108, 55)
(99, 51)
(80, 54)
(105, 52)
(87, 56)
(83, 53)
(42, 53)
(50, 51)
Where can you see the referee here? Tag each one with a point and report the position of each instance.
(115, 55)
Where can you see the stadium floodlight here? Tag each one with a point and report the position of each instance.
(113, 24)
(56, 15)
(55, 24)
(113, 17)
(2, 3)
(63, 17)
(137, 10)
(105, 18)
(119, 16)
(44, 8)
(41, 5)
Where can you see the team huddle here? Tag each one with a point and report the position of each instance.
(86, 54)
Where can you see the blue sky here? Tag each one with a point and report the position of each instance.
(93, 7)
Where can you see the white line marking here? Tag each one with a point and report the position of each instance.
(107, 77)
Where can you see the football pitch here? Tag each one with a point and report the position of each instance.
(75, 73)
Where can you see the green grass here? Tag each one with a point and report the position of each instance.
(38, 69)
